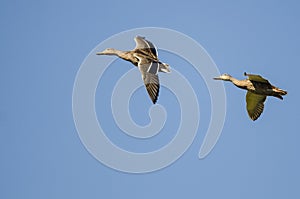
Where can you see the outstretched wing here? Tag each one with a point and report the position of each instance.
(143, 44)
(256, 78)
(151, 82)
(255, 104)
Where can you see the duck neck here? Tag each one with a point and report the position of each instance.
(116, 52)
(126, 55)
(238, 83)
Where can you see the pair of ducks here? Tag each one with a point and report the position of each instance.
(145, 57)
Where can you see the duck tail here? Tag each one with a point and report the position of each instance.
(163, 67)
(280, 91)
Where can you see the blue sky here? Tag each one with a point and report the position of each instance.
(43, 45)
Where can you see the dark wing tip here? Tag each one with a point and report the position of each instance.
(253, 118)
(154, 101)
(257, 112)
(153, 90)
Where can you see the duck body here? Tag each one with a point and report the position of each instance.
(258, 89)
(145, 57)
(261, 88)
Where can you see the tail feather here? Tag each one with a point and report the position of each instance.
(280, 91)
(163, 67)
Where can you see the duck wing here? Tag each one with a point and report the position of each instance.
(151, 80)
(255, 104)
(146, 46)
(256, 78)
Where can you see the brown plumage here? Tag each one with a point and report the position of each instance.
(258, 89)
(145, 57)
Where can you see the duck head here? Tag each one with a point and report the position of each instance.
(107, 51)
(224, 77)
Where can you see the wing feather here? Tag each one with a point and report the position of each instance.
(151, 82)
(256, 78)
(143, 44)
(255, 105)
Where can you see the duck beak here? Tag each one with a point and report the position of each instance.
(99, 53)
(217, 78)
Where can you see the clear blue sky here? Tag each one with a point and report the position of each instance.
(43, 44)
